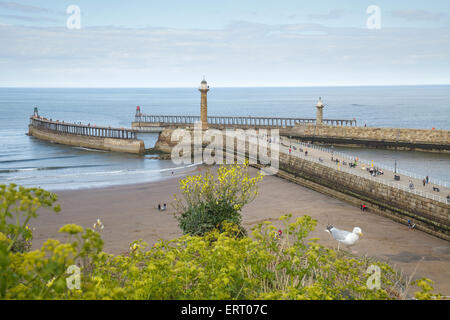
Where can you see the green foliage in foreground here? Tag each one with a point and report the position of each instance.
(219, 265)
(207, 201)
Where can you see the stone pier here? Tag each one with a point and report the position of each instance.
(94, 137)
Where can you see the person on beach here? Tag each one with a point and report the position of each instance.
(411, 225)
(164, 207)
(411, 185)
(278, 235)
(428, 180)
(424, 182)
(159, 207)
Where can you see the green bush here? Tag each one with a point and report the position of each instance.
(207, 201)
(222, 264)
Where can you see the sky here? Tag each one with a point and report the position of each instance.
(234, 43)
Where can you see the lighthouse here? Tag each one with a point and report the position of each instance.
(204, 88)
(319, 106)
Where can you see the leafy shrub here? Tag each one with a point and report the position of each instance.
(222, 264)
(18, 206)
(207, 201)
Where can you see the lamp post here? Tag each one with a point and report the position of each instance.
(396, 177)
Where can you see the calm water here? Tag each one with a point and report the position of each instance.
(27, 161)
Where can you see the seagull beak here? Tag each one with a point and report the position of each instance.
(361, 234)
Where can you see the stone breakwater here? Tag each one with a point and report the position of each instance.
(134, 146)
(350, 136)
(390, 138)
(429, 215)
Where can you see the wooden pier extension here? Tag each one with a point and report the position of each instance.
(156, 123)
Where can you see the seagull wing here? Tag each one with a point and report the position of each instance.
(339, 235)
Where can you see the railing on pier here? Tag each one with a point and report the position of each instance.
(369, 163)
(238, 121)
(364, 174)
(82, 129)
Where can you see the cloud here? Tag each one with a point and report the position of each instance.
(334, 14)
(28, 18)
(418, 14)
(14, 6)
(243, 53)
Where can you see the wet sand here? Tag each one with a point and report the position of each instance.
(130, 213)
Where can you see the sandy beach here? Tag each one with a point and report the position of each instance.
(130, 213)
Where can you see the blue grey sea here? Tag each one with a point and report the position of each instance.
(27, 161)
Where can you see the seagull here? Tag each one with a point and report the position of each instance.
(345, 237)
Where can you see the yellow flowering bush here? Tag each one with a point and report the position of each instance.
(208, 200)
(18, 206)
(39, 274)
(222, 264)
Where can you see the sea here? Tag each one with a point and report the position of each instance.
(30, 162)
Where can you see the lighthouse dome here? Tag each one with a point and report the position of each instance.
(204, 85)
(320, 103)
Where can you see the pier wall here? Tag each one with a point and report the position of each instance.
(391, 138)
(429, 215)
(101, 143)
(351, 136)
(164, 142)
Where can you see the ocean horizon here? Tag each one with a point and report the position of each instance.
(27, 161)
